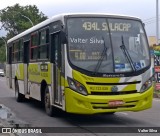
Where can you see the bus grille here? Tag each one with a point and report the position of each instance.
(123, 83)
(117, 107)
(114, 93)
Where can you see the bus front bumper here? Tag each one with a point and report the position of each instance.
(92, 104)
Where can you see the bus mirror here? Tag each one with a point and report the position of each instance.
(63, 38)
(143, 24)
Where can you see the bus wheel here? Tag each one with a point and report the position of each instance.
(19, 96)
(48, 107)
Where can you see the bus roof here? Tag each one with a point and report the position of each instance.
(61, 16)
(100, 14)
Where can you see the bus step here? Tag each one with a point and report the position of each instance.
(27, 96)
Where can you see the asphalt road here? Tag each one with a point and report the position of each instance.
(32, 114)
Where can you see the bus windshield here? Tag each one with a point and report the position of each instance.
(107, 45)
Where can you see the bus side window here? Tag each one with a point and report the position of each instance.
(34, 46)
(10, 55)
(14, 52)
(20, 56)
(43, 44)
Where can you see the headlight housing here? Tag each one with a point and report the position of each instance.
(146, 85)
(76, 86)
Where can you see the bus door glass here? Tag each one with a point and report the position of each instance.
(57, 69)
(9, 68)
(26, 59)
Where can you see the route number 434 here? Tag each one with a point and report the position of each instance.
(90, 26)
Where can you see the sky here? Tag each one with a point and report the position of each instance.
(144, 9)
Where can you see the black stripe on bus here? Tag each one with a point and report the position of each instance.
(124, 83)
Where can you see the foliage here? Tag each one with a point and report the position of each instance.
(14, 18)
(2, 51)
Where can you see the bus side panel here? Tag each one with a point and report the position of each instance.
(21, 86)
(34, 80)
(19, 68)
(52, 84)
(9, 67)
(8, 75)
(13, 75)
(38, 72)
(35, 90)
(25, 78)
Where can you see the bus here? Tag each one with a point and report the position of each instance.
(82, 63)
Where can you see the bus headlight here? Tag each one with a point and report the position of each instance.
(146, 85)
(76, 86)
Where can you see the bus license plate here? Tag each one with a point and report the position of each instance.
(116, 103)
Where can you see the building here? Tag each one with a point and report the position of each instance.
(152, 40)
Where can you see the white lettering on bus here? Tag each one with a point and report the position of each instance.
(95, 40)
(78, 40)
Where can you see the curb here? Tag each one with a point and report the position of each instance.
(9, 120)
(4, 117)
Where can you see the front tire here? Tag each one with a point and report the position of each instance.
(19, 97)
(50, 110)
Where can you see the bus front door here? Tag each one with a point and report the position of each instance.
(9, 68)
(57, 68)
(26, 60)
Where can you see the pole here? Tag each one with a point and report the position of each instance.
(4, 41)
(157, 22)
(25, 17)
(28, 19)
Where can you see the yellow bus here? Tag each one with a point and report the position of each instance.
(83, 64)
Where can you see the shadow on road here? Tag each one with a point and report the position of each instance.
(116, 119)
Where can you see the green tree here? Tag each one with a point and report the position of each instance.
(14, 21)
(2, 51)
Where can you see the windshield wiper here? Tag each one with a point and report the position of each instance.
(125, 52)
(104, 53)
